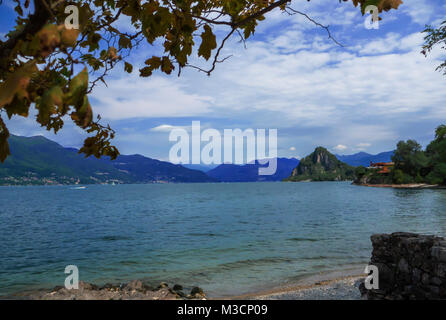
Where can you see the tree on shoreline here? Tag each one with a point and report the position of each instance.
(44, 64)
(410, 160)
(415, 165)
(436, 152)
(412, 164)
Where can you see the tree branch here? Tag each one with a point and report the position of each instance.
(253, 16)
(327, 28)
(208, 72)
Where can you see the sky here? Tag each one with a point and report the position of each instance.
(369, 94)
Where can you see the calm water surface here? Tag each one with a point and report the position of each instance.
(228, 238)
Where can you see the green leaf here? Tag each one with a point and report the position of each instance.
(128, 67)
(16, 83)
(77, 88)
(208, 43)
(166, 65)
(83, 115)
(124, 42)
(46, 105)
(4, 146)
(145, 72)
(153, 63)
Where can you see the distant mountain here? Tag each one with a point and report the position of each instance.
(250, 172)
(143, 169)
(321, 165)
(200, 167)
(37, 160)
(364, 159)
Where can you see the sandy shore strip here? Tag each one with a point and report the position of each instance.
(403, 186)
(338, 285)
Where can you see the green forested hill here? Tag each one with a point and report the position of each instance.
(321, 165)
(37, 160)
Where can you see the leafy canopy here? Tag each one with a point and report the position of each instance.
(413, 164)
(50, 67)
(435, 37)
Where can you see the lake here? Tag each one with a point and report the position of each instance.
(228, 238)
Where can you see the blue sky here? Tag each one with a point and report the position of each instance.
(366, 96)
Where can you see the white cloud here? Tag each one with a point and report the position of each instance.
(421, 11)
(363, 145)
(292, 148)
(340, 147)
(292, 76)
(309, 88)
(132, 97)
(271, 85)
(392, 41)
(304, 78)
(167, 128)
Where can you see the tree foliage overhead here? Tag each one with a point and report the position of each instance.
(53, 68)
(435, 37)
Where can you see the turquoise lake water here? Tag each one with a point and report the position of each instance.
(228, 238)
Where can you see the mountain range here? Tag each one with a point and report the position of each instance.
(38, 160)
(250, 172)
(285, 166)
(364, 158)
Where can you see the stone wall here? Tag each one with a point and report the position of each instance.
(411, 266)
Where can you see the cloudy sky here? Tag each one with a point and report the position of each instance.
(366, 96)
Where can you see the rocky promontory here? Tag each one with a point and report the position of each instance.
(321, 165)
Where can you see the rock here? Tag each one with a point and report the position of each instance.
(440, 270)
(416, 275)
(439, 253)
(107, 286)
(436, 281)
(180, 294)
(411, 266)
(197, 293)
(196, 290)
(425, 279)
(134, 285)
(134, 290)
(435, 290)
(177, 287)
(362, 288)
(403, 266)
(57, 288)
(86, 286)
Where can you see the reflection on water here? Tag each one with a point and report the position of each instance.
(228, 238)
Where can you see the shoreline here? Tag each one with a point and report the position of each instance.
(133, 290)
(402, 186)
(340, 285)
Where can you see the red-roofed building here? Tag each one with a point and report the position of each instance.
(383, 166)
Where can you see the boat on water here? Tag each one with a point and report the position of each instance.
(79, 188)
